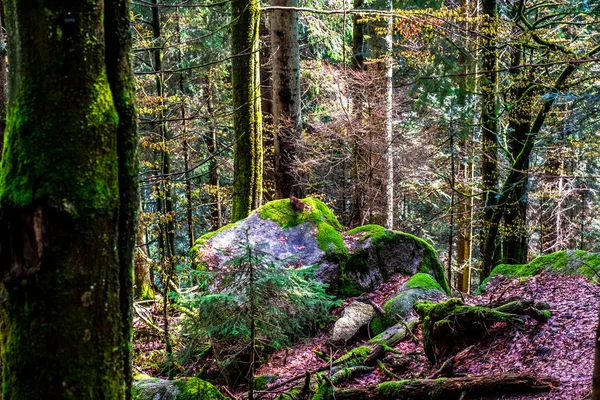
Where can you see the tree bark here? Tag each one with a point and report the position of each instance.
(216, 217)
(287, 116)
(489, 129)
(450, 388)
(68, 193)
(165, 199)
(3, 80)
(383, 53)
(357, 200)
(248, 153)
(515, 219)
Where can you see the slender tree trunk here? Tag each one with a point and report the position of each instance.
(167, 231)
(143, 283)
(3, 80)
(68, 195)
(515, 218)
(186, 147)
(489, 130)
(287, 117)
(248, 157)
(216, 219)
(358, 53)
(266, 106)
(384, 50)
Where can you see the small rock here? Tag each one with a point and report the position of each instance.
(355, 316)
(397, 362)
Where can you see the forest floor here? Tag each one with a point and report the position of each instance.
(562, 347)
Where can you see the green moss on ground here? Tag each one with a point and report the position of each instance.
(260, 382)
(329, 229)
(568, 262)
(423, 281)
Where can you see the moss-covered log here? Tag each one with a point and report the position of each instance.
(450, 388)
(68, 199)
(441, 321)
(247, 118)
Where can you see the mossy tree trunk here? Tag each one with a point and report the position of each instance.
(68, 194)
(489, 126)
(247, 120)
(287, 117)
(515, 220)
(3, 80)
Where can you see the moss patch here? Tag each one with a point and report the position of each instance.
(568, 262)
(194, 389)
(379, 235)
(329, 229)
(423, 281)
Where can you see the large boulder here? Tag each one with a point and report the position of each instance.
(352, 262)
(356, 315)
(180, 389)
(567, 262)
(379, 253)
(309, 237)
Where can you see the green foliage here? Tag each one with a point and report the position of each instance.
(287, 302)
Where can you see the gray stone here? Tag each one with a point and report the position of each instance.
(355, 316)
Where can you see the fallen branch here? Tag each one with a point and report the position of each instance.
(450, 388)
(451, 318)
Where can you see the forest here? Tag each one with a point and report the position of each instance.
(299, 199)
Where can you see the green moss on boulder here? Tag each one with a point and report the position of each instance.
(568, 262)
(180, 389)
(329, 229)
(423, 281)
(381, 253)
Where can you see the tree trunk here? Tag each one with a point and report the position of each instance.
(167, 227)
(3, 80)
(216, 217)
(248, 154)
(287, 117)
(68, 192)
(358, 189)
(383, 51)
(186, 146)
(489, 131)
(515, 219)
(450, 388)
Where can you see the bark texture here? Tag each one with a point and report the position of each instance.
(68, 198)
(287, 116)
(247, 120)
(489, 132)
